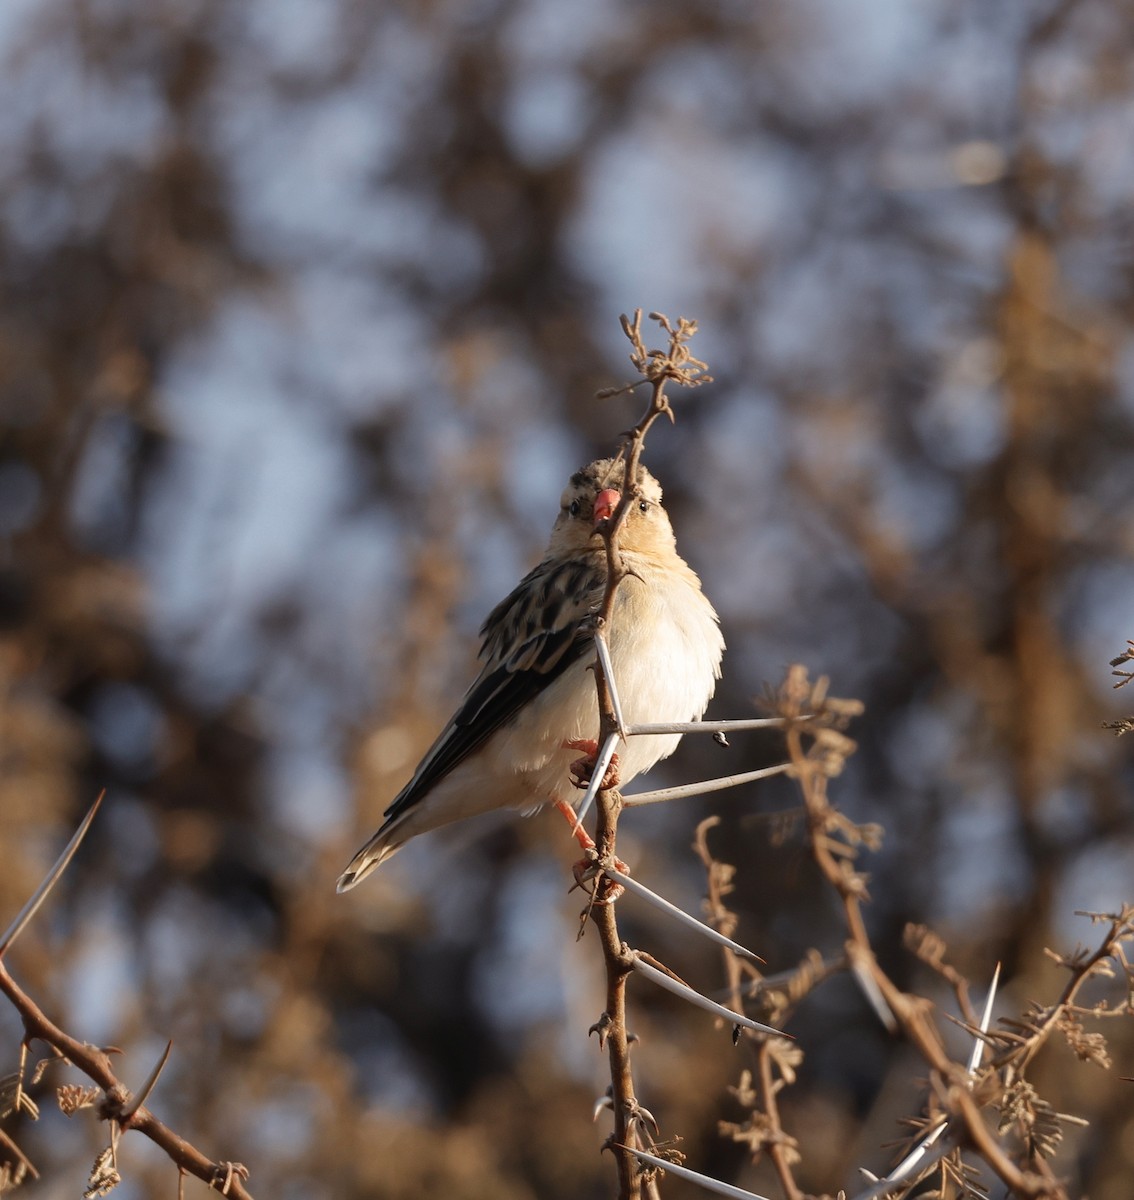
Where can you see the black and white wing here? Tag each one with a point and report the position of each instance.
(529, 639)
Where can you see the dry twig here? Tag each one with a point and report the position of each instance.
(111, 1099)
(1029, 1129)
(657, 367)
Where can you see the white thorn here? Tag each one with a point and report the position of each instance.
(701, 789)
(986, 1017)
(640, 889)
(687, 993)
(706, 1181)
(601, 764)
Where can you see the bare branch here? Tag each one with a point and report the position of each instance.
(117, 1105)
(657, 367)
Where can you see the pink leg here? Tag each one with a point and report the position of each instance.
(581, 835)
(584, 866)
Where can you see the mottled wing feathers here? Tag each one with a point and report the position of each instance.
(529, 639)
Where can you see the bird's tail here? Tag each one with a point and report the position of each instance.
(381, 846)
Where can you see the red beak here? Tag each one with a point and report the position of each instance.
(605, 504)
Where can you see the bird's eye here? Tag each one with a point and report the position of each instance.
(574, 509)
(643, 506)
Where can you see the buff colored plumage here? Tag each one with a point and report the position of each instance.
(504, 746)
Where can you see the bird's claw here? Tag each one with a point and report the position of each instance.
(589, 868)
(583, 768)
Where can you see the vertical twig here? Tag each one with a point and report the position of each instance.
(619, 963)
(812, 767)
(657, 367)
(723, 919)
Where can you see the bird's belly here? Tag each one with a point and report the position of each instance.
(660, 678)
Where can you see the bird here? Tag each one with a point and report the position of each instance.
(513, 741)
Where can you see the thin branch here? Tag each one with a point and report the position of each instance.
(834, 857)
(118, 1105)
(95, 1064)
(775, 1141)
(1121, 926)
(618, 963)
(657, 367)
(924, 1155)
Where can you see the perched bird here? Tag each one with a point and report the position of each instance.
(509, 744)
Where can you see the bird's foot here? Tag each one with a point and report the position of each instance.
(583, 768)
(605, 890)
(587, 868)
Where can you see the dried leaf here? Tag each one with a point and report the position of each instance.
(744, 1092)
(1088, 1047)
(104, 1177)
(72, 1097)
(1037, 1123)
(13, 1097)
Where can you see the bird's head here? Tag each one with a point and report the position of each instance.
(590, 499)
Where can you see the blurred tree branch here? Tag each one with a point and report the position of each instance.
(1030, 1128)
(112, 1100)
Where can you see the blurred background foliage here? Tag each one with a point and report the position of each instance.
(303, 311)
